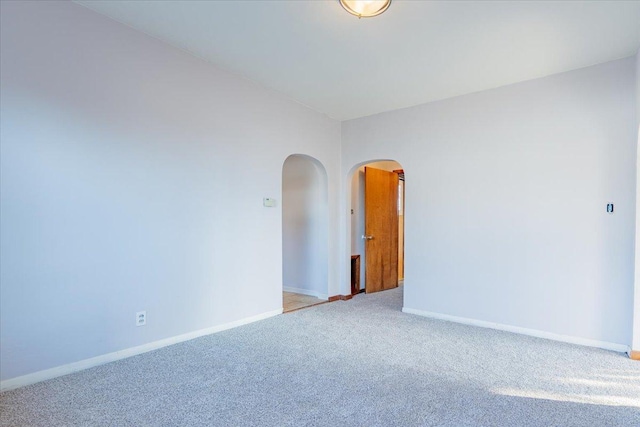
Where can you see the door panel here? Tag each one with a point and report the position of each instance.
(381, 229)
(400, 226)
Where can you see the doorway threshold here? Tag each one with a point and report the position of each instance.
(294, 302)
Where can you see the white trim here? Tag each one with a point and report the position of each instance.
(305, 292)
(621, 348)
(70, 368)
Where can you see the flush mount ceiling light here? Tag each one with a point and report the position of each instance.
(365, 8)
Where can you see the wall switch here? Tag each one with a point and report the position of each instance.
(141, 318)
(268, 202)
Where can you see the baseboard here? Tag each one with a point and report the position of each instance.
(621, 348)
(71, 368)
(305, 292)
(340, 298)
(634, 354)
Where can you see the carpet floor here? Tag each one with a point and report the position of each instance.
(349, 363)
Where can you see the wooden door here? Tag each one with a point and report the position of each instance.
(381, 229)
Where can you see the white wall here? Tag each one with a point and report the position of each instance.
(507, 200)
(358, 207)
(132, 178)
(636, 311)
(305, 232)
(638, 87)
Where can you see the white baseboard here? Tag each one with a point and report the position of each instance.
(621, 348)
(59, 371)
(305, 292)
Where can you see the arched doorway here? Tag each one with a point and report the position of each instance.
(377, 225)
(305, 234)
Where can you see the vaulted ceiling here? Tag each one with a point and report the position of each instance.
(416, 52)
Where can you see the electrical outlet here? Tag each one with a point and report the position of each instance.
(141, 318)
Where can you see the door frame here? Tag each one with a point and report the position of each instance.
(321, 256)
(351, 247)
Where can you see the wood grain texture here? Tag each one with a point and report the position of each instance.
(292, 301)
(381, 222)
(355, 274)
(340, 298)
(401, 234)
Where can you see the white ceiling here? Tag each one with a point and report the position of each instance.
(416, 52)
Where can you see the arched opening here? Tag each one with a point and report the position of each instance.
(305, 233)
(377, 225)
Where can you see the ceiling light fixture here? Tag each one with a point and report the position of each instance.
(365, 8)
